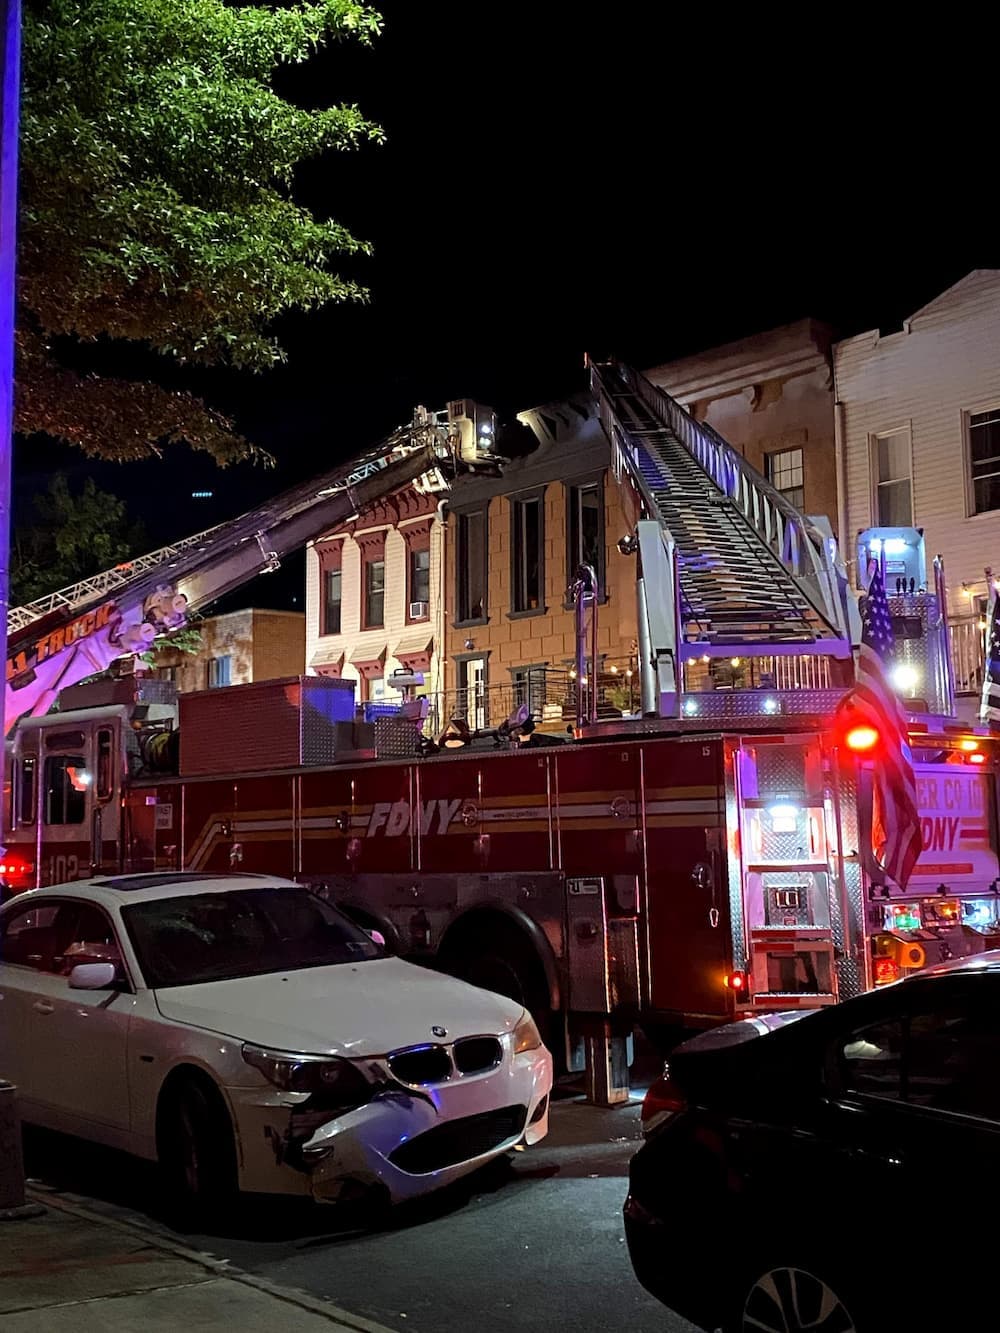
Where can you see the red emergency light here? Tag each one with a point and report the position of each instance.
(737, 982)
(885, 971)
(862, 738)
(16, 871)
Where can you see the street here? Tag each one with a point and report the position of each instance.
(533, 1243)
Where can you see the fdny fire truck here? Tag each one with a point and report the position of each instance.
(710, 856)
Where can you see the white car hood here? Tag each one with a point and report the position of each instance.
(352, 1009)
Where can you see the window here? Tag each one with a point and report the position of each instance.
(331, 601)
(870, 1060)
(420, 576)
(471, 565)
(785, 471)
(374, 594)
(66, 783)
(31, 937)
(171, 674)
(105, 764)
(585, 528)
(893, 487)
(951, 1061)
(526, 564)
(529, 688)
(26, 789)
(984, 460)
(220, 672)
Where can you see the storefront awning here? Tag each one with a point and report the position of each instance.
(414, 651)
(368, 664)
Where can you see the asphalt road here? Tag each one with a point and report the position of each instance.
(534, 1242)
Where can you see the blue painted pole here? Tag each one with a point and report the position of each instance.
(10, 90)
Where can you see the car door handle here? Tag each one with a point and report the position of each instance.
(43, 1007)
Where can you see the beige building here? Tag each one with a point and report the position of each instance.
(513, 546)
(373, 595)
(919, 425)
(238, 648)
(771, 397)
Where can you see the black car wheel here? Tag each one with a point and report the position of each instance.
(197, 1154)
(795, 1300)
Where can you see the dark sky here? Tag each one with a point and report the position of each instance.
(563, 177)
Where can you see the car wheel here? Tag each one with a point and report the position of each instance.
(795, 1300)
(197, 1154)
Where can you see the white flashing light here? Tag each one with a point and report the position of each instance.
(905, 677)
(895, 545)
(784, 811)
(690, 707)
(784, 818)
(770, 706)
(875, 546)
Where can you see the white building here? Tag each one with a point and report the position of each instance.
(373, 596)
(918, 442)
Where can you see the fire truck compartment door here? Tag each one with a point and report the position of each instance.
(602, 948)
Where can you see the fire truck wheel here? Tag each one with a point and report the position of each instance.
(794, 1298)
(197, 1151)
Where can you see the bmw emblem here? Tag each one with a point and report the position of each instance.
(439, 1031)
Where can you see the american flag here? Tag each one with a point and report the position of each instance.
(895, 819)
(989, 710)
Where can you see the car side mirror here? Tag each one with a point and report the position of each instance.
(376, 937)
(92, 976)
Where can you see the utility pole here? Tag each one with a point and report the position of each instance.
(10, 91)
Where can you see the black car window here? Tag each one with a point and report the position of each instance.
(37, 935)
(953, 1060)
(870, 1060)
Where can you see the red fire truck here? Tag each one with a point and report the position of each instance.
(710, 856)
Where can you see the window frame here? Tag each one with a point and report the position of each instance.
(517, 502)
(213, 669)
(905, 428)
(463, 606)
(329, 603)
(770, 458)
(573, 487)
(123, 984)
(967, 414)
(373, 560)
(55, 758)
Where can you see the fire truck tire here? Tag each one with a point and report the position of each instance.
(196, 1148)
(498, 958)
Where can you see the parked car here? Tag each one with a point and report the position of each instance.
(241, 1031)
(829, 1170)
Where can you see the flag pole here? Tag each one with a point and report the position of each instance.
(10, 91)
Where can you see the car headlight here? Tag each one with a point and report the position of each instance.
(338, 1082)
(526, 1034)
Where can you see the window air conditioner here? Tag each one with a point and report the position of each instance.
(418, 610)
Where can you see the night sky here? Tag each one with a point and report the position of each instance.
(553, 184)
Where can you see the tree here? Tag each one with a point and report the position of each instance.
(69, 536)
(156, 207)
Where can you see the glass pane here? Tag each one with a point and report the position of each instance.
(895, 507)
(66, 784)
(331, 616)
(105, 767)
(952, 1062)
(984, 436)
(26, 791)
(420, 576)
(894, 456)
(472, 566)
(527, 555)
(590, 527)
(987, 492)
(870, 1060)
(375, 593)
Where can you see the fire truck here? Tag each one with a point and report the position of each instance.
(708, 857)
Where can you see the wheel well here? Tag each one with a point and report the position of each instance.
(369, 920)
(177, 1079)
(489, 928)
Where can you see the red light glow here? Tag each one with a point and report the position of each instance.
(736, 981)
(886, 971)
(861, 738)
(977, 759)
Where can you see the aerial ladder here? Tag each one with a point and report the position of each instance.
(727, 567)
(80, 630)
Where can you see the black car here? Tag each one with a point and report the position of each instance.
(833, 1170)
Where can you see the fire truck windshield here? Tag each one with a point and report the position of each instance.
(184, 941)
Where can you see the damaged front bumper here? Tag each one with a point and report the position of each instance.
(408, 1141)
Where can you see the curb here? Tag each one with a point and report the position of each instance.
(220, 1267)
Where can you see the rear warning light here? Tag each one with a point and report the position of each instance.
(13, 868)
(886, 971)
(663, 1101)
(861, 738)
(977, 758)
(737, 982)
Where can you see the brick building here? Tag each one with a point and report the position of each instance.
(238, 648)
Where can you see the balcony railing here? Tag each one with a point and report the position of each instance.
(968, 654)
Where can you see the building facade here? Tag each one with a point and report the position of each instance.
(919, 443)
(374, 597)
(512, 546)
(771, 397)
(237, 649)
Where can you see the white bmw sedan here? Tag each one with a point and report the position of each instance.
(241, 1031)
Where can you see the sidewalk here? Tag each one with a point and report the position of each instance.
(73, 1271)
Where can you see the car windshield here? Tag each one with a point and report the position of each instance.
(184, 940)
